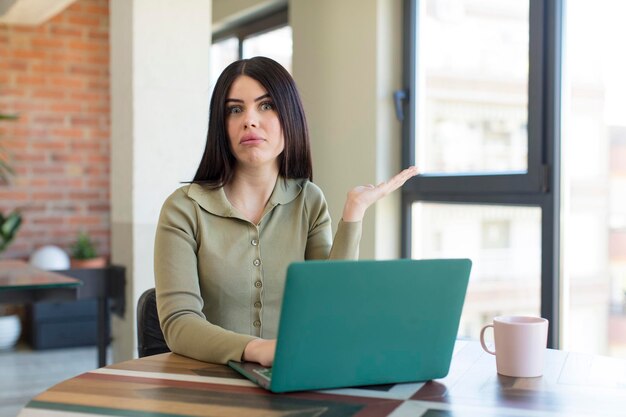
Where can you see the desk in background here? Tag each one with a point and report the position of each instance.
(172, 385)
(23, 283)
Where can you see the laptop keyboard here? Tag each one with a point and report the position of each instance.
(264, 372)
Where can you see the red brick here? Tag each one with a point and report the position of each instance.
(45, 196)
(98, 60)
(50, 119)
(81, 46)
(85, 70)
(98, 35)
(66, 31)
(29, 107)
(67, 57)
(95, 159)
(48, 170)
(84, 220)
(29, 158)
(101, 208)
(49, 145)
(84, 195)
(66, 82)
(85, 146)
(51, 93)
(28, 54)
(39, 182)
(66, 182)
(47, 43)
(30, 133)
(81, 96)
(56, 157)
(98, 184)
(51, 220)
(67, 133)
(31, 80)
(85, 121)
(15, 196)
(83, 20)
(71, 107)
(101, 10)
(18, 65)
(47, 68)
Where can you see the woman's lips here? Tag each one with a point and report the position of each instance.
(250, 140)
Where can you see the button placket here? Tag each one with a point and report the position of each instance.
(258, 283)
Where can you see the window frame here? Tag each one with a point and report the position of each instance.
(253, 26)
(539, 186)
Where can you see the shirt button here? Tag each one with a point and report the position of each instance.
(257, 304)
(254, 242)
(258, 284)
(256, 262)
(257, 323)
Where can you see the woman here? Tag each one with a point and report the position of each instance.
(224, 242)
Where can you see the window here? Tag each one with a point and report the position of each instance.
(269, 35)
(482, 78)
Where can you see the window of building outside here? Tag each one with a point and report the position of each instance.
(594, 177)
(273, 42)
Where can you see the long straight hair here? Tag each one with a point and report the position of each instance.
(218, 163)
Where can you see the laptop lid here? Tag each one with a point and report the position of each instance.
(353, 323)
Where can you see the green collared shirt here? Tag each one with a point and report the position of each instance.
(220, 278)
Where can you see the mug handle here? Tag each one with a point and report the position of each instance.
(482, 339)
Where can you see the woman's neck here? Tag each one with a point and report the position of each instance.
(250, 190)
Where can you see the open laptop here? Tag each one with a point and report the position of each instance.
(355, 323)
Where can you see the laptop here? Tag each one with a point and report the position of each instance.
(355, 323)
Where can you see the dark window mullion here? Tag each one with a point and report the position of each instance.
(470, 184)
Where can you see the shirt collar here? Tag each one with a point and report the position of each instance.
(214, 200)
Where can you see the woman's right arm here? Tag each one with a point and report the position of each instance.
(179, 302)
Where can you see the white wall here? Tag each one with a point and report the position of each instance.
(159, 112)
(347, 63)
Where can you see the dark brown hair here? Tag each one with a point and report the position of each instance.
(218, 162)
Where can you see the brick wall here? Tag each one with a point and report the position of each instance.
(56, 77)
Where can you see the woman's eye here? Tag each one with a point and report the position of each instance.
(267, 106)
(233, 110)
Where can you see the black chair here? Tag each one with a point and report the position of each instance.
(150, 340)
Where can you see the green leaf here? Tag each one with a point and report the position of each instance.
(8, 228)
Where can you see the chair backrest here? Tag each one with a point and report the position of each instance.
(150, 340)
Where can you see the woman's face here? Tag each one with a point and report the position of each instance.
(254, 131)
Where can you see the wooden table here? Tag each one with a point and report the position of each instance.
(172, 385)
(23, 283)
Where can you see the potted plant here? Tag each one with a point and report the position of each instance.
(84, 253)
(8, 228)
(5, 168)
(10, 323)
(10, 223)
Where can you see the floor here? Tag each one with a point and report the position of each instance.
(26, 372)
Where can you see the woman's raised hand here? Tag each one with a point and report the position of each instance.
(363, 196)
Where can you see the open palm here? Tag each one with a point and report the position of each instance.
(363, 196)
